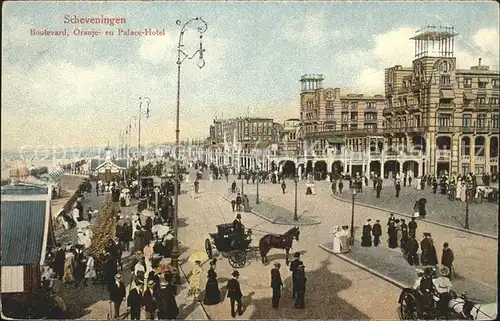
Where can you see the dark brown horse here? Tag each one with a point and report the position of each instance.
(277, 241)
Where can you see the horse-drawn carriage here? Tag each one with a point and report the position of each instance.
(414, 305)
(226, 242)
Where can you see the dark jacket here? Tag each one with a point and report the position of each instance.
(377, 229)
(117, 293)
(233, 289)
(294, 265)
(149, 300)
(276, 281)
(447, 258)
(134, 299)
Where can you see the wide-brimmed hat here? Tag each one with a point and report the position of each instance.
(444, 271)
(151, 283)
(277, 264)
(235, 273)
(139, 281)
(238, 216)
(296, 254)
(118, 276)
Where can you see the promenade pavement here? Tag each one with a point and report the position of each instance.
(483, 217)
(335, 289)
(475, 256)
(92, 302)
(391, 263)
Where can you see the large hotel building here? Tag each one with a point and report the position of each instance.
(433, 118)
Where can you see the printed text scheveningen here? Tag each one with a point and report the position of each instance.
(94, 20)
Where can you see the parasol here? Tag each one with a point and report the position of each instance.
(162, 230)
(147, 213)
(198, 256)
(83, 224)
(125, 190)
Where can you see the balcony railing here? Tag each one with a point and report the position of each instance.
(447, 106)
(443, 154)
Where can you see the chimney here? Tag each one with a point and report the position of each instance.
(479, 63)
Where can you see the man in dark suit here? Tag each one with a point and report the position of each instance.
(276, 284)
(234, 294)
(134, 300)
(117, 294)
(238, 231)
(294, 265)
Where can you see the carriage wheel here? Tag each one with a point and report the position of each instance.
(237, 259)
(208, 248)
(408, 308)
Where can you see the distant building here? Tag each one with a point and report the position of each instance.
(287, 145)
(328, 116)
(247, 132)
(27, 232)
(450, 114)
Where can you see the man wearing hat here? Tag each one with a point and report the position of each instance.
(447, 257)
(117, 294)
(294, 265)
(134, 300)
(443, 286)
(276, 284)
(300, 287)
(238, 231)
(234, 294)
(149, 300)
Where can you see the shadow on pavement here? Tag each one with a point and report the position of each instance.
(322, 299)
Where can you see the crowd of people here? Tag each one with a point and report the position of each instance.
(404, 236)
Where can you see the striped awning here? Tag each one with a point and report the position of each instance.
(469, 95)
(447, 94)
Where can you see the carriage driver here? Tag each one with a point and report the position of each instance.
(238, 231)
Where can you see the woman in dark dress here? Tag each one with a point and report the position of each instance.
(393, 236)
(212, 292)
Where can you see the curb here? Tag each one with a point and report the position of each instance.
(420, 219)
(365, 268)
(277, 223)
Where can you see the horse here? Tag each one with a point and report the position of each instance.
(464, 309)
(277, 241)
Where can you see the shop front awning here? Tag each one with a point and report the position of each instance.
(483, 80)
(447, 94)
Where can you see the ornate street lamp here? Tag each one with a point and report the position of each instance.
(258, 177)
(467, 191)
(351, 239)
(181, 56)
(296, 181)
(148, 102)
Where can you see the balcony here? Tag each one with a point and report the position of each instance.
(467, 129)
(443, 155)
(446, 129)
(353, 121)
(446, 106)
(484, 106)
(465, 158)
(370, 121)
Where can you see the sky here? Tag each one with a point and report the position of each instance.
(80, 91)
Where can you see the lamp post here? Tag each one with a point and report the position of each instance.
(467, 189)
(242, 174)
(296, 181)
(351, 239)
(181, 56)
(148, 100)
(258, 177)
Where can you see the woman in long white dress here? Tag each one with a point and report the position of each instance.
(344, 239)
(336, 240)
(127, 199)
(89, 270)
(458, 191)
(417, 183)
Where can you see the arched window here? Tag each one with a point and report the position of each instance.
(494, 147)
(479, 146)
(465, 146)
